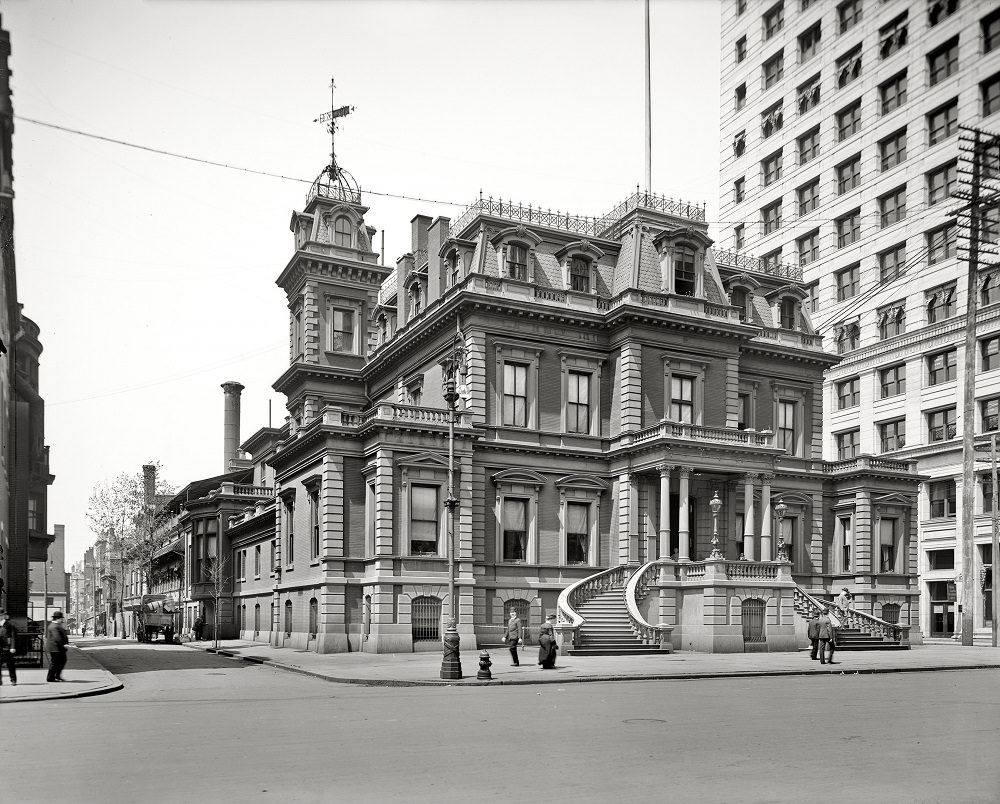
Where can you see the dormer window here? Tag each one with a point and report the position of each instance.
(342, 232)
(684, 274)
(453, 265)
(415, 299)
(517, 262)
(579, 275)
(740, 297)
(788, 312)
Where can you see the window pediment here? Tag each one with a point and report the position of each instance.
(744, 281)
(424, 460)
(516, 234)
(520, 477)
(582, 483)
(793, 291)
(583, 248)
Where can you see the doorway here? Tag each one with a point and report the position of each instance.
(942, 594)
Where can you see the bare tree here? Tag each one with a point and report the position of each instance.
(217, 571)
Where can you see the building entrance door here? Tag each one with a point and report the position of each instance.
(942, 609)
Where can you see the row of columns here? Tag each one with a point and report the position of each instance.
(684, 519)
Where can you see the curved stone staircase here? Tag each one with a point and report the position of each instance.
(607, 629)
(858, 631)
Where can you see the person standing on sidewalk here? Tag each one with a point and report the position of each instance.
(513, 637)
(813, 633)
(56, 640)
(827, 637)
(546, 648)
(199, 625)
(8, 647)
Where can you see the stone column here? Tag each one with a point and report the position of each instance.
(765, 517)
(748, 518)
(683, 525)
(664, 511)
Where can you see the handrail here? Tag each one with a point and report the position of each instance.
(852, 618)
(636, 588)
(582, 591)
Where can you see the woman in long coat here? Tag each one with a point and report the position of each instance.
(546, 647)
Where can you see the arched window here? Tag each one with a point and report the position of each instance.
(425, 619)
(288, 618)
(256, 619)
(890, 613)
(991, 290)
(342, 232)
(517, 262)
(684, 276)
(752, 611)
(313, 617)
(579, 274)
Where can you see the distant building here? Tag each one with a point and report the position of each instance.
(49, 576)
(840, 151)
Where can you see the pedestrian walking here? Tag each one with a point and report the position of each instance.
(827, 637)
(547, 647)
(8, 647)
(56, 640)
(199, 625)
(842, 599)
(813, 633)
(512, 637)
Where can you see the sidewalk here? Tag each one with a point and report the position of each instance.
(86, 677)
(83, 675)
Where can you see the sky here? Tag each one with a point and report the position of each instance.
(152, 275)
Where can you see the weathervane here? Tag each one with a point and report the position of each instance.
(331, 118)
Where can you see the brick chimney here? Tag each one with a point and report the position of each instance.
(231, 423)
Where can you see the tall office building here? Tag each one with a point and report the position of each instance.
(840, 155)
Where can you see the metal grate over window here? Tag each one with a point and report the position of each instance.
(425, 616)
(753, 620)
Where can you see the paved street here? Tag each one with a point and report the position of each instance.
(191, 725)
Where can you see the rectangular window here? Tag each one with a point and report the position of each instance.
(744, 412)
(891, 321)
(849, 67)
(577, 532)
(892, 37)
(289, 512)
(941, 183)
(774, 20)
(849, 229)
(786, 428)
(808, 247)
(892, 94)
(941, 494)
(741, 49)
(515, 529)
(681, 399)
(808, 195)
(848, 282)
(739, 189)
(941, 559)
(809, 43)
(515, 395)
(942, 122)
(938, 10)
(771, 168)
(990, 411)
(942, 62)
(991, 31)
(774, 69)
(772, 120)
(578, 402)
(424, 528)
(848, 15)
(892, 207)
(987, 485)
(941, 425)
(740, 96)
(940, 304)
(579, 275)
(941, 367)
(314, 523)
(849, 393)
(787, 312)
(892, 381)
(771, 217)
(807, 95)
(848, 174)
(990, 92)
(941, 244)
(887, 545)
(892, 435)
(849, 121)
(256, 561)
(517, 262)
(989, 348)
(739, 237)
(274, 556)
(892, 263)
(846, 528)
(892, 150)
(342, 335)
(848, 338)
(848, 444)
(808, 146)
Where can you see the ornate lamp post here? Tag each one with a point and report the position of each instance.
(779, 511)
(716, 505)
(451, 662)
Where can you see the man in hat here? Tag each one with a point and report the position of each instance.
(56, 640)
(827, 637)
(843, 597)
(8, 647)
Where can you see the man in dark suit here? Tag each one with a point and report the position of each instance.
(827, 637)
(8, 647)
(512, 636)
(813, 633)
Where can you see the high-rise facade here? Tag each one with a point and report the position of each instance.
(840, 154)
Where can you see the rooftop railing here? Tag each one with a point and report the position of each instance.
(757, 265)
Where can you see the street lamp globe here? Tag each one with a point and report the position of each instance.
(779, 511)
(715, 504)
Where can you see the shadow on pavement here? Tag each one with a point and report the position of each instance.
(122, 658)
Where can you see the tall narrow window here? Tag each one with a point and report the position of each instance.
(808, 247)
(808, 146)
(289, 511)
(771, 168)
(941, 183)
(941, 244)
(342, 339)
(739, 189)
(849, 229)
(774, 20)
(892, 150)
(741, 49)
(887, 545)
(681, 398)
(738, 298)
(314, 523)
(786, 429)
(941, 425)
(256, 563)
(578, 402)
(892, 263)
(517, 262)
(515, 529)
(892, 94)
(848, 444)
(990, 411)
(787, 313)
(515, 395)
(892, 435)
(808, 197)
(892, 207)
(809, 43)
(942, 123)
(846, 527)
(892, 381)
(848, 174)
(579, 275)
(342, 232)
(942, 495)
(942, 62)
(577, 532)
(849, 14)
(990, 350)
(684, 275)
(771, 217)
(849, 121)
(774, 70)
(848, 282)
(288, 618)
(424, 528)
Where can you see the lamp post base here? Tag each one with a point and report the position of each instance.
(451, 662)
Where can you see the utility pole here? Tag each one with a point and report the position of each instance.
(976, 147)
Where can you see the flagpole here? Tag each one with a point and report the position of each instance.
(649, 104)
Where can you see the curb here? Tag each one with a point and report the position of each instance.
(67, 696)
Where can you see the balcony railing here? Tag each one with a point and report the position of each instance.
(757, 265)
(696, 432)
(863, 462)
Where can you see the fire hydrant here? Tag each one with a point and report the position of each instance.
(484, 673)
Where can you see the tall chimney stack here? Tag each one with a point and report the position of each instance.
(231, 423)
(149, 483)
